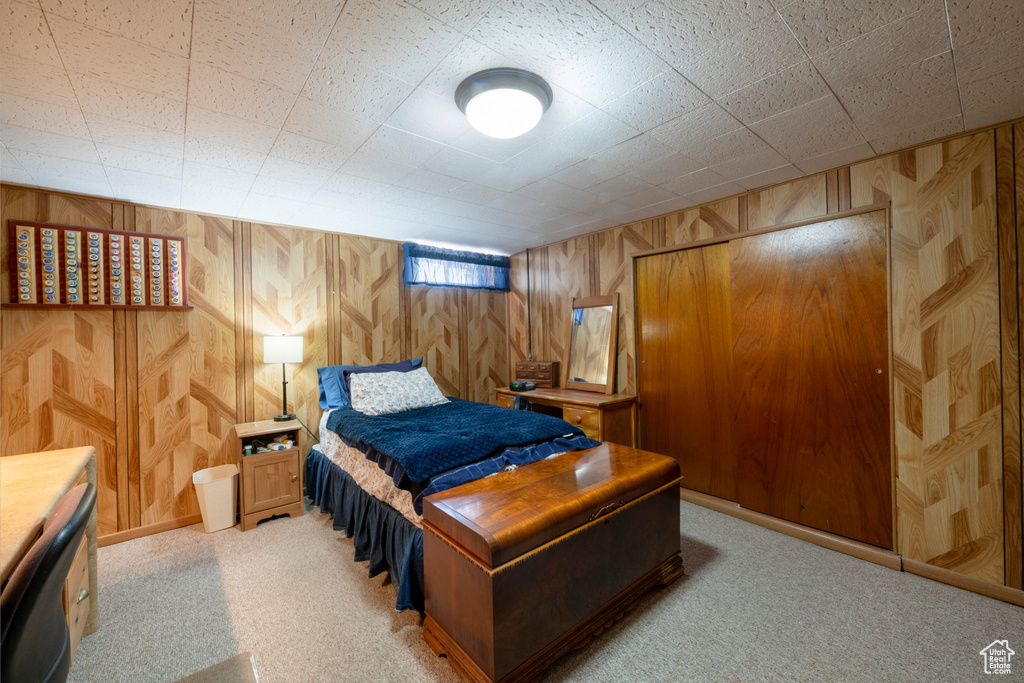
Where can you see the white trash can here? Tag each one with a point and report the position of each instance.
(216, 490)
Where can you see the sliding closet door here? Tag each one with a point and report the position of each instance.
(811, 376)
(685, 346)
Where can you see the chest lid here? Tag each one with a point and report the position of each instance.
(499, 518)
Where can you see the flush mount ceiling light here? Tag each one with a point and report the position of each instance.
(503, 102)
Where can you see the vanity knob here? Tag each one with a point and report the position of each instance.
(579, 419)
(295, 477)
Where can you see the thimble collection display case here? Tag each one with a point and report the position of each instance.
(62, 266)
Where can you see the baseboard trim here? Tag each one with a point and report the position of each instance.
(149, 529)
(847, 546)
(970, 583)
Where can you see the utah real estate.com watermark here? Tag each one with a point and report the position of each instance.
(997, 657)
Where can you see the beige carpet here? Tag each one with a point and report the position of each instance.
(755, 606)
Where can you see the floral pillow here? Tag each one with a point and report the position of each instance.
(384, 393)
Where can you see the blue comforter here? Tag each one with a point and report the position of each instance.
(429, 441)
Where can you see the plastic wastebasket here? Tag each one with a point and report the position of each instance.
(215, 488)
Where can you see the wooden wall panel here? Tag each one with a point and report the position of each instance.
(565, 275)
(369, 288)
(486, 363)
(945, 320)
(789, 202)
(58, 366)
(197, 349)
(434, 333)
(289, 296)
(615, 267)
(702, 222)
(517, 327)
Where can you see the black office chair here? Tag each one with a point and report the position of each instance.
(36, 644)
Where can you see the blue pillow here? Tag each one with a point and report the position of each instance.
(333, 380)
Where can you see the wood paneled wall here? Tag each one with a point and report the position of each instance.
(158, 393)
(957, 283)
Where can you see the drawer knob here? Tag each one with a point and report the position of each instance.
(579, 419)
(295, 477)
(82, 594)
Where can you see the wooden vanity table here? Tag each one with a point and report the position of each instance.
(605, 417)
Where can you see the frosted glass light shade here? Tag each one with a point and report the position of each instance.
(282, 349)
(504, 113)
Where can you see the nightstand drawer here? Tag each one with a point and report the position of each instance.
(587, 420)
(76, 596)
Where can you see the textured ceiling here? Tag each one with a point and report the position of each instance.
(340, 115)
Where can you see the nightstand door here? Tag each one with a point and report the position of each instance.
(270, 480)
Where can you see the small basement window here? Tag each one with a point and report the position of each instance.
(451, 268)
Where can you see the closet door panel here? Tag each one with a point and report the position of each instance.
(686, 345)
(811, 376)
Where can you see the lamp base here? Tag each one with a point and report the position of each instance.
(285, 417)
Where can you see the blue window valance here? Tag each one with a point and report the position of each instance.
(450, 268)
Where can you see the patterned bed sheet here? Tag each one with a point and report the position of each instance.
(366, 473)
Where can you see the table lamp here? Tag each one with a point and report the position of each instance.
(283, 349)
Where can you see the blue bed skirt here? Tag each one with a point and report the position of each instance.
(380, 534)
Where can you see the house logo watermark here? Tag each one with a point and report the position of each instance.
(997, 657)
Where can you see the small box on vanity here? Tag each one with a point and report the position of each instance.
(543, 373)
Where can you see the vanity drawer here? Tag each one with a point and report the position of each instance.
(76, 596)
(587, 420)
(543, 373)
(505, 401)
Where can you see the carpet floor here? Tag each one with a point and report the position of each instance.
(754, 605)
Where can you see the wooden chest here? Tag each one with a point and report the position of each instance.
(525, 565)
(543, 373)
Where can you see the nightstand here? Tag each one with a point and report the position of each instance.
(271, 482)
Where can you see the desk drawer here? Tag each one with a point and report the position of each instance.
(505, 401)
(587, 420)
(76, 608)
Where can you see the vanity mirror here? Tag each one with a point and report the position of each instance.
(591, 344)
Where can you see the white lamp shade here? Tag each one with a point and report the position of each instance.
(282, 349)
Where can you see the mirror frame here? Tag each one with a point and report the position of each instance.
(592, 302)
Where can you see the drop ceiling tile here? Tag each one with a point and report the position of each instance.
(24, 33)
(609, 209)
(145, 188)
(476, 143)
(216, 153)
(353, 186)
(163, 24)
(809, 130)
(634, 152)
(586, 173)
(94, 185)
(663, 98)
(823, 26)
(267, 209)
(614, 188)
(405, 197)
(401, 147)
(320, 122)
(308, 22)
(303, 150)
(343, 82)
(605, 70)
(294, 172)
(764, 48)
(41, 142)
(474, 193)
(593, 133)
(6, 159)
(913, 95)
(458, 164)
(733, 145)
(661, 208)
(538, 211)
(49, 165)
(125, 134)
(717, 192)
(373, 167)
(770, 177)
(112, 58)
(137, 160)
(776, 93)
(971, 20)
(680, 31)
(195, 175)
(52, 118)
(461, 15)
(10, 173)
(533, 164)
(646, 197)
(693, 182)
(123, 103)
(335, 200)
(275, 187)
(551, 192)
(223, 37)
(229, 130)
(228, 93)
(212, 199)
(741, 166)
(466, 58)
(990, 56)
(515, 204)
(842, 157)
(431, 116)
(993, 99)
(700, 124)
(918, 134)
(37, 81)
(428, 181)
(665, 168)
(395, 37)
(893, 46)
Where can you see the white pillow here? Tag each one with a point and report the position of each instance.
(384, 393)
